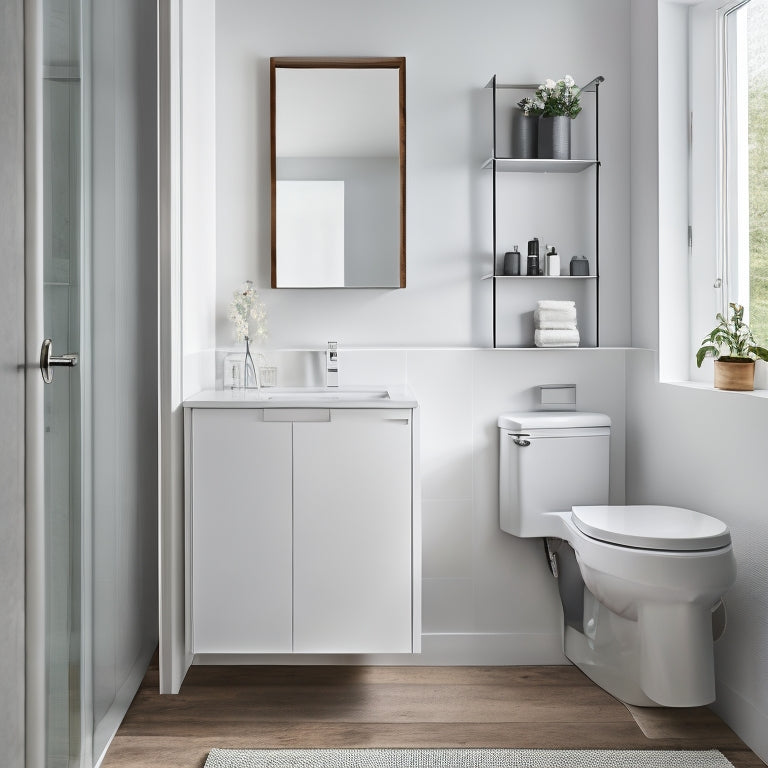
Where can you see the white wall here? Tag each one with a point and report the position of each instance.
(690, 447)
(198, 192)
(451, 51)
(488, 597)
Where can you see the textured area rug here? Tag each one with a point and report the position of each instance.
(463, 758)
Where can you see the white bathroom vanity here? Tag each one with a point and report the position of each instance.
(302, 522)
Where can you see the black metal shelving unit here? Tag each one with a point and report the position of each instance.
(497, 164)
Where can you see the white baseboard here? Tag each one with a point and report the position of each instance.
(748, 722)
(489, 649)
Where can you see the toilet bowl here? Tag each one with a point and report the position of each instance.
(638, 601)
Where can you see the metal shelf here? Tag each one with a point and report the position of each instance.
(514, 165)
(539, 277)
(590, 87)
(558, 349)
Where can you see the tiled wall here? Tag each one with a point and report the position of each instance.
(487, 596)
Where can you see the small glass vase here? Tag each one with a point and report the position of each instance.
(250, 371)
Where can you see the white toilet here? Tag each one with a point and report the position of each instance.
(641, 586)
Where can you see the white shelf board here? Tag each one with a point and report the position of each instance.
(538, 165)
(589, 87)
(539, 277)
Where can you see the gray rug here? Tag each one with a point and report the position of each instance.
(463, 758)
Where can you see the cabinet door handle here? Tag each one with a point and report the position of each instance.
(297, 414)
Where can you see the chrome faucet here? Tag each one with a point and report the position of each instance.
(332, 365)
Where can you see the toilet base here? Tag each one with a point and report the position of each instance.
(615, 653)
(610, 673)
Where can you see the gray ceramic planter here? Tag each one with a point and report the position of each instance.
(525, 136)
(555, 137)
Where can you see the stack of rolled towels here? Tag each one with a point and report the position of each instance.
(555, 324)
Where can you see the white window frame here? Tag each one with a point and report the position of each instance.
(713, 177)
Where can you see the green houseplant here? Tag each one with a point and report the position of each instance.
(559, 105)
(736, 370)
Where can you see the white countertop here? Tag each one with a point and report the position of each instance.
(305, 397)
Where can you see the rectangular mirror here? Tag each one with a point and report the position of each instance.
(338, 172)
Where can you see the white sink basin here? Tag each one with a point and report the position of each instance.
(351, 396)
(323, 395)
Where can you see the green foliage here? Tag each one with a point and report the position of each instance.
(733, 334)
(559, 98)
(530, 107)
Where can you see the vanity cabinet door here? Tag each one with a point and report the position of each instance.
(241, 532)
(352, 533)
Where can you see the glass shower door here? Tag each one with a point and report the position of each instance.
(63, 214)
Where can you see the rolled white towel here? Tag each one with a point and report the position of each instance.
(556, 338)
(566, 318)
(554, 304)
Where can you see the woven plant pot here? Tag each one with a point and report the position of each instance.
(735, 373)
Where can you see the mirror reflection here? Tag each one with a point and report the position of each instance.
(338, 181)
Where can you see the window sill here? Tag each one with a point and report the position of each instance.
(758, 393)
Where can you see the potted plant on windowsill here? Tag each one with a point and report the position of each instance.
(736, 370)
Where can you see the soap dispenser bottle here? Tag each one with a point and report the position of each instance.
(553, 263)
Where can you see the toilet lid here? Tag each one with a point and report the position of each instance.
(652, 527)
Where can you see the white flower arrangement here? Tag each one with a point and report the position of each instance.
(248, 314)
(530, 107)
(559, 98)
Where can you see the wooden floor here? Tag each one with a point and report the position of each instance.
(528, 707)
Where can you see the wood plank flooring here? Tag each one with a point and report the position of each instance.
(271, 707)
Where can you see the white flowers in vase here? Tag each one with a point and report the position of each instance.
(559, 98)
(530, 107)
(248, 314)
(249, 323)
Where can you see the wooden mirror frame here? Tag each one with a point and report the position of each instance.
(293, 62)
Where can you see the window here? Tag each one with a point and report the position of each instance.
(745, 141)
(728, 170)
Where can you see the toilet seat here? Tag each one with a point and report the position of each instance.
(671, 529)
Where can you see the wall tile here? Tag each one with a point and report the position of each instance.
(447, 549)
(442, 383)
(447, 605)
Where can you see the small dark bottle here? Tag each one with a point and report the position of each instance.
(512, 262)
(533, 257)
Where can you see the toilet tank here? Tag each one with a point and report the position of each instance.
(550, 461)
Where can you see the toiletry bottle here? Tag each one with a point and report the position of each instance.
(533, 257)
(512, 262)
(579, 266)
(553, 263)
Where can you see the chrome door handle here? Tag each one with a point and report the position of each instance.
(48, 361)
